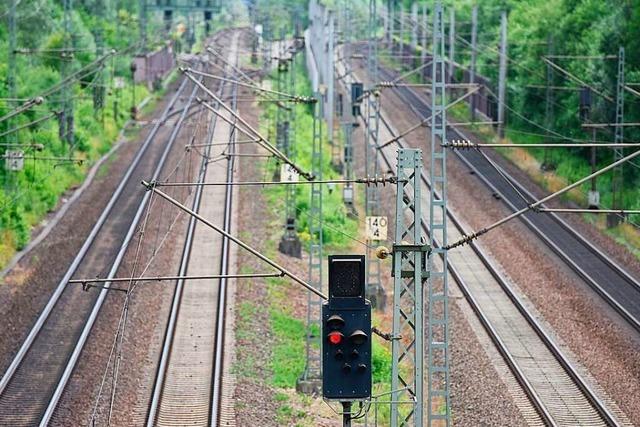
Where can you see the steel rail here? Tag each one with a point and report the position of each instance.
(620, 298)
(568, 367)
(224, 269)
(114, 269)
(520, 376)
(42, 318)
(161, 372)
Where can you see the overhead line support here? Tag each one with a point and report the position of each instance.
(310, 381)
(438, 405)
(409, 277)
(617, 181)
(234, 239)
(502, 75)
(374, 289)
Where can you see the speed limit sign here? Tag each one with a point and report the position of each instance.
(14, 160)
(376, 227)
(288, 173)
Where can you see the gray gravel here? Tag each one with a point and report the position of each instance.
(579, 318)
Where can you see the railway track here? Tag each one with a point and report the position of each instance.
(32, 385)
(616, 286)
(553, 385)
(188, 385)
(29, 385)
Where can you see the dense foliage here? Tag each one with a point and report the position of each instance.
(29, 194)
(592, 28)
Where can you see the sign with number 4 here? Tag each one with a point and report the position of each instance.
(288, 174)
(376, 227)
(14, 160)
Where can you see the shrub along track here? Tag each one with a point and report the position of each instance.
(32, 389)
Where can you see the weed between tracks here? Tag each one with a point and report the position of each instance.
(284, 310)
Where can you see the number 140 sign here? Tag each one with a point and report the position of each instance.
(376, 227)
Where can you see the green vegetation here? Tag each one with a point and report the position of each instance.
(26, 196)
(287, 326)
(562, 27)
(338, 228)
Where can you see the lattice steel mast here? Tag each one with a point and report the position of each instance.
(409, 277)
(438, 318)
(375, 292)
(310, 381)
(618, 153)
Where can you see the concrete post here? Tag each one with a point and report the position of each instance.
(502, 82)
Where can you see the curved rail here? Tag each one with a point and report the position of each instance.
(612, 282)
(526, 377)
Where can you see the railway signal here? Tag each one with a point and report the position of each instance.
(356, 98)
(346, 331)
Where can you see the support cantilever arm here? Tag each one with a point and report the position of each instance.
(291, 97)
(260, 139)
(426, 120)
(284, 271)
(24, 107)
(226, 119)
(576, 79)
(534, 206)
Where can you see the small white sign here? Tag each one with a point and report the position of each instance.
(118, 82)
(14, 160)
(376, 227)
(288, 174)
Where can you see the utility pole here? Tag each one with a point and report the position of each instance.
(311, 379)
(281, 69)
(390, 8)
(409, 278)
(546, 164)
(474, 56)
(617, 183)
(374, 289)
(348, 119)
(452, 44)
(11, 64)
(401, 42)
(438, 303)
(330, 82)
(290, 242)
(585, 117)
(425, 27)
(414, 27)
(98, 89)
(142, 18)
(66, 119)
(502, 83)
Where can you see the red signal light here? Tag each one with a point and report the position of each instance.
(335, 337)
